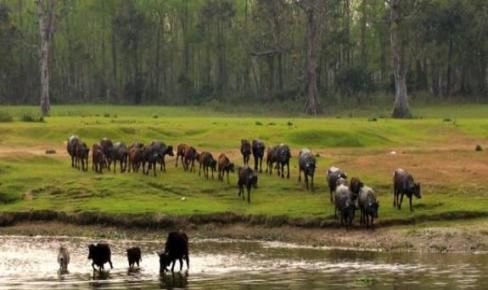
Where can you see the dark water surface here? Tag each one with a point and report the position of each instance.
(30, 263)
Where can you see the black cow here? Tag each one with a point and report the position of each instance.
(245, 151)
(72, 144)
(107, 147)
(100, 254)
(283, 156)
(258, 148)
(134, 256)
(176, 248)
(404, 184)
(120, 153)
(306, 163)
(247, 178)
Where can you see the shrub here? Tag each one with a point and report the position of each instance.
(258, 123)
(5, 117)
(106, 115)
(29, 117)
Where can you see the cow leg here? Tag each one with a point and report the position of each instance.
(187, 261)
(110, 262)
(154, 168)
(173, 266)
(93, 266)
(306, 180)
(115, 165)
(228, 177)
(299, 175)
(260, 164)
(401, 200)
(288, 169)
(181, 264)
(410, 200)
(311, 180)
(249, 194)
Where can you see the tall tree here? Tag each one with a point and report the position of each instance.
(314, 11)
(46, 14)
(401, 107)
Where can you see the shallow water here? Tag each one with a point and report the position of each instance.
(30, 263)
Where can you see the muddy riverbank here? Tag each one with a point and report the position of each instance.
(467, 236)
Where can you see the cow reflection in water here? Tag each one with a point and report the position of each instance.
(173, 280)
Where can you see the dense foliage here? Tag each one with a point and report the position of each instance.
(196, 51)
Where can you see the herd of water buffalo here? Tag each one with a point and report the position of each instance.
(176, 248)
(347, 196)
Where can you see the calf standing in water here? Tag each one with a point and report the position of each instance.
(403, 184)
(134, 256)
(63, 259)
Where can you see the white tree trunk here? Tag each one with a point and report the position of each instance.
(401, 108)
(45, 10)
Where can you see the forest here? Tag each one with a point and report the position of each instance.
(287, 52)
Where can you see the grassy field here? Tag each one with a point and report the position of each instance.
(437, 148)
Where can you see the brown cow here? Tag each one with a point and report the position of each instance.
(99, 160)
(206, 161)
(247, 178)
(224, 166)
(136, 155)
(245, 151)
(191, 155)
(180, 153)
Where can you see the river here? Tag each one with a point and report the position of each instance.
(30, 263)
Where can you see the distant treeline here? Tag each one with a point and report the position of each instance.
(194, 51)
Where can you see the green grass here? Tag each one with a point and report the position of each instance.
(32, 182)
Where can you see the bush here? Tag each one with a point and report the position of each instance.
(5, 117)
(29, 117)
(258, 123)
(106, 115)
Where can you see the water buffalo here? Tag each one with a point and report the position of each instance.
(258, 148)
(368, 206)
(191, 155)
(180, 153)
(176, 248)
(63, 259)
(99, 160)
(134, 256)
(333, 174)
(271, 159)
(71, 145)
(283, 156)
(247, 178)
(345, 204)
(100, 254)
(206, 161)
(355, 186)
(307, 164)
(120, 153)
(162, 150)
(107, 147)
(224, 166)
(82, 153)
(136, 155)
(404, 184)
(245, 151)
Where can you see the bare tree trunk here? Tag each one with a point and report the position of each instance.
(401, 108)
(45, 10)
(313, 10)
